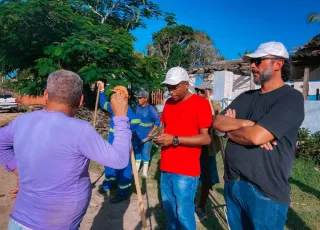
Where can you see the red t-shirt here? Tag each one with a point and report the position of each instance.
(184, 118)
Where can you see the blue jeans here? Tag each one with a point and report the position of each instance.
(14, 225)
(248, 208)
(178, 192)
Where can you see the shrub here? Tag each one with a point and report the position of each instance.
(308, 145)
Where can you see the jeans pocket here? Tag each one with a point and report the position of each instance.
(258, 194)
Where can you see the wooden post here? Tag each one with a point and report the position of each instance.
(96, 108)
(306, 83)
(138, 188)
(251, 81)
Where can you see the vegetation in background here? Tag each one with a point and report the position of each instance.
(308, 145)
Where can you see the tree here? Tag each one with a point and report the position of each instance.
(167, 38)
(41, 36)
(182, 46)
(179, 57)
(28, 27)
(201, 49)
(127, 14)
(108, 58)
(314, 17)
(150, 71)
(245, 53)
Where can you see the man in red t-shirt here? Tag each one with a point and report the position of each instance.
(186, 118)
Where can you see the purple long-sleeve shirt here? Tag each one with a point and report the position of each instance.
(51, 152)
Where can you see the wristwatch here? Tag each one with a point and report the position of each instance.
(175, 141)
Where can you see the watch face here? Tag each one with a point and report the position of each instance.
(175, 141)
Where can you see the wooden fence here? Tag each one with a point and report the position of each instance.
(157, 97)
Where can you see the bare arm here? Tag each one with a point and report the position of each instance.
(202, 138)
(161, 131)
(15, 172)
(153, 129)
(224, 123)
(251, 135)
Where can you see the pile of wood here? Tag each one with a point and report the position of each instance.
(102, 122)
(84, 113)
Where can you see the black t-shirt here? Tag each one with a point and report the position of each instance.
(281, 112)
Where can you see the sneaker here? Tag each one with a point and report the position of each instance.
(201, 215)
(103, 191)
(118, 199)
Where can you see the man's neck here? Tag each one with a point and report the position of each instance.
(55, 106)
(271, 85)
(188, 94)
(144, 104)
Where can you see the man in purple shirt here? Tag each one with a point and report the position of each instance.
(51, 151)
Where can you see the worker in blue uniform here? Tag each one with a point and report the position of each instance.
(122, 176)
(149, 122)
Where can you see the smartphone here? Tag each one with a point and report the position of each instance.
(153, 137)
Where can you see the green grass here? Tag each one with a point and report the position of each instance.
(303, 214)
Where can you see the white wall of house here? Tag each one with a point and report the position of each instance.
(313, 86)
(227, 85)
(312, 116)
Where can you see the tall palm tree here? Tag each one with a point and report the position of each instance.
(314, 17)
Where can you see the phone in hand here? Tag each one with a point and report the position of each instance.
(153, 137)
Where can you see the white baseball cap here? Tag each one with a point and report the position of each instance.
(176, 75)
(268, 48)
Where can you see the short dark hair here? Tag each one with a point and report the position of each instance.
(286, 70)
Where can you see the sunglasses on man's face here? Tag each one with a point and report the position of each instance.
(200, 90)
(257, 61)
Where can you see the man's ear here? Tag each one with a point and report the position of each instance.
(279, 64)
(187, 84)
(81, 101)
(46, 95)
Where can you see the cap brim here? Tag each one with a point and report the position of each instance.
(170, 82)
(247, 57)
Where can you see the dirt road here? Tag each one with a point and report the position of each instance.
(7, 182)
(6, 117)
(100, 214)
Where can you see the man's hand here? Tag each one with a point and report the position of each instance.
(100, 85)
(14, 192)
(164, 140)
(119, 103)
(231, 113)
(269, 145)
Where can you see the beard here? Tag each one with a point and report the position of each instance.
(265, 76)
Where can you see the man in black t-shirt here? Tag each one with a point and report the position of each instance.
(262, 127)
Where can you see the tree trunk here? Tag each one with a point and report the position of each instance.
(306, 83)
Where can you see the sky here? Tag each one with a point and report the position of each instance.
(236, 26)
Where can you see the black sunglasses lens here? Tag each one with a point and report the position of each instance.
(200, 90)
(256, 61)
